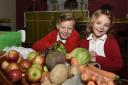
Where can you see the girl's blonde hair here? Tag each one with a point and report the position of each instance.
(92, 20)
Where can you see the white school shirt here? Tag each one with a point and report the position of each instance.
(98, 45)
(59, 39)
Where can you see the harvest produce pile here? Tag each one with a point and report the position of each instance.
(55, 68)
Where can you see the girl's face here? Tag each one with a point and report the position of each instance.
(65, 28)
(101, 26)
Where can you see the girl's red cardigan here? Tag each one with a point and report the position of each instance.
(113, 60)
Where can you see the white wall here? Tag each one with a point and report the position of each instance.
(8, 10)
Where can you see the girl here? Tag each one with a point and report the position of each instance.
(102, 46)
(65, 33)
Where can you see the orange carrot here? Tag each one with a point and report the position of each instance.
(68, 56)
(93, 78)
(100, 80)
(111, 83)
(91, 83)
(108, 74)
(74, 61)
(82, 68)
(85, 77)
(104, 84)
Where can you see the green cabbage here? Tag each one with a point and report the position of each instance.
(58, 46)
(82, 55)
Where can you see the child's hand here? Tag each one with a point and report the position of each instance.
(93, 54)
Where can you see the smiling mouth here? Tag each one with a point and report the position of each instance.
(100, 30)
(64, 36)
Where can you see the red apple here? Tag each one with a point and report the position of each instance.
(24, 65)
(15, 75)
(44, 76)
(33, 75)
(35, 84)
(11, 66)
(20, 58)
(23, 81)
(39, 59)
(4, 64)
(12, 56)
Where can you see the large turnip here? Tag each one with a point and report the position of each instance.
(53, 58)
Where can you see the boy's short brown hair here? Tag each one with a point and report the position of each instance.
(65, 17)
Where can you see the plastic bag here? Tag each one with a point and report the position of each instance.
(10, 38)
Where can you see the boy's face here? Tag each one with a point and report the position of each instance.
(65, 28)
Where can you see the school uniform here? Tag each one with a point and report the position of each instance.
(107, 48)
(46, 42)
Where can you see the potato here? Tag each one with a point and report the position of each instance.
(59, 74)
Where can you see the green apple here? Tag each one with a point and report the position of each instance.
(38, 66)
(33, 75)
(31, 55)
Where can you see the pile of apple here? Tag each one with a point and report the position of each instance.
(29, 70)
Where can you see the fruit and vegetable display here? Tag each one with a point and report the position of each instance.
(55, 68)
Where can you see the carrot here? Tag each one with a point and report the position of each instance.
(92, 72)
(82, 68)
(74, 61)
(104, 84)
(111, 83)
(68, 56)
(100, 80)
(93, 78)
(85, 77)
(107, 79)
(108, 74)
(91, 83)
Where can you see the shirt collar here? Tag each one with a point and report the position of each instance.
(59, 38)
(100, 38)
(89, 37)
